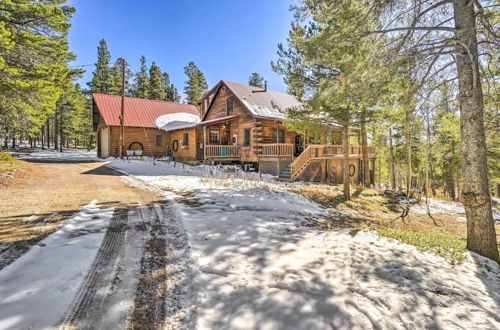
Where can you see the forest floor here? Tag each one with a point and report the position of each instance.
(443, 232)
(154, 244)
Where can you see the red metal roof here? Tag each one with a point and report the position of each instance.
(138, 112)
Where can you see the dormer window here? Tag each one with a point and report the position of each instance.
(229, 106)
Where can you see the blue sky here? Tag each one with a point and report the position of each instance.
(228, 39)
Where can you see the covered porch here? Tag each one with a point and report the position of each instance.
(220, 138)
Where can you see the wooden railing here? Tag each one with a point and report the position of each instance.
(277, 149)
(323, 151)
(300, 163)
(220, 151)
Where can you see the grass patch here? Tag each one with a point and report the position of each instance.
(368, 192)
(450, 247)
(6, 158)
(8, 168)
(8, 163)
(363, 204)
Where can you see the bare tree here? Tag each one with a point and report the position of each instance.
(444, 34)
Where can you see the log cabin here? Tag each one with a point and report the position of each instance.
(142, 119)
(244, 125)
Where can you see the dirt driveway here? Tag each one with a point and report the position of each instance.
(41, 196)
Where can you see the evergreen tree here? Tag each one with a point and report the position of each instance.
(34, 57)
(116, 73)
(171, 93)
(196, 85)
(142, 81)
(256, 80)
(156, 90)
(334, 71)
(102, 79)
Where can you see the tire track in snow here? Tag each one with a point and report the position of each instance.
(104, 298)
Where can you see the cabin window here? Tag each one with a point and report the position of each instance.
(281, 136)
(229, 103)
(246, 141)
(185, 140)
(159, 140)
(213, 136)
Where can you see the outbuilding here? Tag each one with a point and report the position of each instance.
(141, 125)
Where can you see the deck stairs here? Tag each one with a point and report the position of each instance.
(285, 174)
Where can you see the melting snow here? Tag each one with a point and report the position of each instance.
(256, 264)
(173, 121)
(37, 288)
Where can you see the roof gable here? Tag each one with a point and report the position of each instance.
(258, 102)
(138, 112)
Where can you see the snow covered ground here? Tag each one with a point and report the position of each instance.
(441, 207)
(37, 289)
(256, 264)
(69, 155)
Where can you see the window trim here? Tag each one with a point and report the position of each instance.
(185, 141)
(228, 113)
(247, 143)
(160, 139)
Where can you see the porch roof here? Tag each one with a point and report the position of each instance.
(218, 120)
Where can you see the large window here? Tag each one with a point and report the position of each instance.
(229, 106)
(246, 141)
(185, 140)
(159, 140)
(213, 136)
(281, 136)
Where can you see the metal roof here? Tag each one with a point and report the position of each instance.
(138, 112)
(263, 103)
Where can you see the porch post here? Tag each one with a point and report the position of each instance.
(205, 144)
(277, 146)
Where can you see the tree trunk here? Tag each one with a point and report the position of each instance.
(42, 137)
(481, 237)
(48, 134)
(364, 151)
(392, 170)
(60, 133)
(345, 164)
(56, 132)
(408, 156)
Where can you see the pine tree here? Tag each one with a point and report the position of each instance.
(102, 79)
(171, 93)
(34, 56)
(156, 90)
(334, 71)
(116, 73)
(142, 81)
(256, 80)
(196, 85)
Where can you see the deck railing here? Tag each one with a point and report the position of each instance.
(323, 151)
(277, 149)
(222, 151)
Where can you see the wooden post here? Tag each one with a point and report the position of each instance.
(122, 114)
(277, 146)
(205, 144)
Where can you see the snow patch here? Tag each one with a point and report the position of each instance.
(74, 155)
(257, 263)
(37, 288)
(174, 121)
